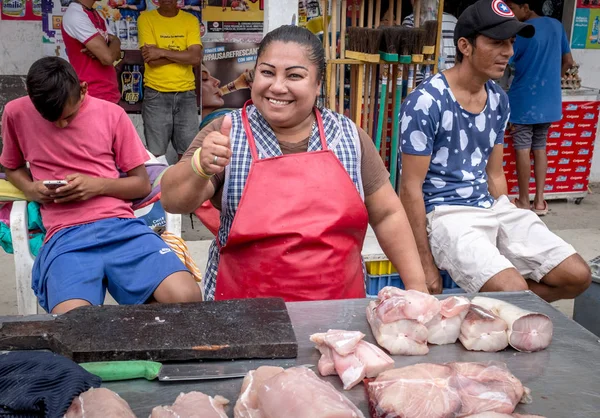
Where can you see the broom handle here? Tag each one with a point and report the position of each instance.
(438, 37)
(361, 16)
(343, 22)
(382, 107)
(395, 128)
(377, 13)
(417, 13)
(398, 12)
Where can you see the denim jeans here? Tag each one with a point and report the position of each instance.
(169, 117)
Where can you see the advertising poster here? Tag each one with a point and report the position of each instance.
(227, 63)
(233, 16)
(570, 147)
(588, 3)
(121, 17)
(586, 28)
(21, 10)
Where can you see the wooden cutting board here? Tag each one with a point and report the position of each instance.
(233, 329)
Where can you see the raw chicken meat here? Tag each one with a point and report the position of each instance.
(343, 353)
(99, 403)
(295, 392)
(396, 304)
(193, 405)
(422, 390)
(483, 331)
(344, 342)
(527, 331)
(403, 337)
(374, 358)
(398, 319)
(488, 387)
(445, 391)
(247, 404)
(444, 328)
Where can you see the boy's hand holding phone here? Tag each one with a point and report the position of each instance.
(79, 188)
(38, 192)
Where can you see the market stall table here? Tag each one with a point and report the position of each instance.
(563, 378)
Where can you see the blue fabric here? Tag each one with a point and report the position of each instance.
(40, 384)
(342, 139)
(535, 93)
(434, 124)
(214, 115)
(81, 262)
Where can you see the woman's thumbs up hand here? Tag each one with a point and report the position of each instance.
(216, 149)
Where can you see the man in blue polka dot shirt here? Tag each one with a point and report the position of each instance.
(452, 178)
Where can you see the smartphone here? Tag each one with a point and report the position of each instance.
(55, 184)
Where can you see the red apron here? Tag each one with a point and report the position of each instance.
(298, 231)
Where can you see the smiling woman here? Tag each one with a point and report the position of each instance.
(296, 186)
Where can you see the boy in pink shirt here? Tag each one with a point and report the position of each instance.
(94, 242)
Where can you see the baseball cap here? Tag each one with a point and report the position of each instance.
(492, 18)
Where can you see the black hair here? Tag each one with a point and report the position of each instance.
(472, 39)
(300, 36)
(51, 84)
(535, 5)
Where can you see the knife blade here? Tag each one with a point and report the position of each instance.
(150, 370)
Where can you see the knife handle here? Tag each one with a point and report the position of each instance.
(123, 370)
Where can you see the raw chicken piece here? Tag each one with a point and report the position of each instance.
(349, 368)
(352, 366)
(419, 391)
(483, 331)
(298, 393)
(193, 405)
(487, 387)
(99, 403)
(396, 304)
(403, 337)
(247, 404)
(444, 328)
(344, 342)
(326, 366)
(445, 390)
(376, 361)
(527, 331)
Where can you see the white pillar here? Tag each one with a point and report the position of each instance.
(278, 13)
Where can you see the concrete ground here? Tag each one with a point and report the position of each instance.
(577, 224)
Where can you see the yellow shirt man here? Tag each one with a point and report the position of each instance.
(177, 33)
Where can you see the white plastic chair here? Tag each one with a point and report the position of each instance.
(26, 300)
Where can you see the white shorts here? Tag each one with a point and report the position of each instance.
(474, 244)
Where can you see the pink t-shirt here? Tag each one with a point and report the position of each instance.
(99, 139)
(79, 25)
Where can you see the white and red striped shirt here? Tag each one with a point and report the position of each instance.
(79, 26)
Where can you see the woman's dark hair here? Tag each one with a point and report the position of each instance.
(472, 40)
(300, 36)
(51, 84)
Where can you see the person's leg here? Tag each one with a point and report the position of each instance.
(65, 274)
(508, 280)
(69, 305)
(551, 266)
(185, 121)
(540, 163)
(522, 137)
(140, 265)
(463, 242)
(157, 114)
(179, 287)
(566, 281)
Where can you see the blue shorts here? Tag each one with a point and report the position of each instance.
(121, 255)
